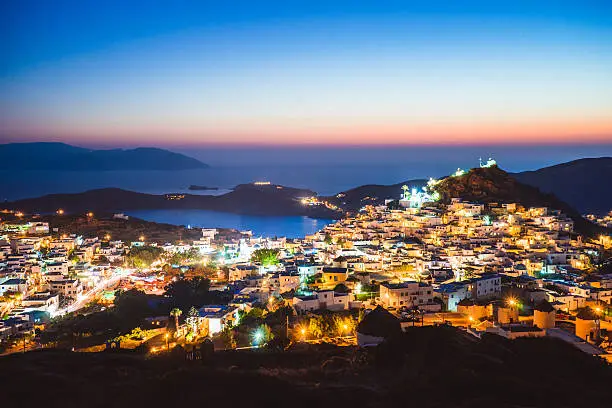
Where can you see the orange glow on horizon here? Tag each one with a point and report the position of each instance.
(345, 131)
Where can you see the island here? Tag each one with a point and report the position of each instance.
(64, 157)
(195, 187)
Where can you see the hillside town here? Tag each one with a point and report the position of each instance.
(491, 268)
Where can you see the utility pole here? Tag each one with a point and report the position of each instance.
(287, 326)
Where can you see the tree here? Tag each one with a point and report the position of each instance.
(132, 306)
(228, 337)
(262, 335)
(176, 313)
(344, 325)
(341, 288)
(316, 326)
(187, 292)
(143, 257)
(265, 256)
(192, 320)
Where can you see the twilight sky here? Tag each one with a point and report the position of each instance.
(181, 73)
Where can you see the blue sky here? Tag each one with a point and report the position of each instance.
(312, 72)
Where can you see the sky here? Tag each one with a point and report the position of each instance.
(290, 73)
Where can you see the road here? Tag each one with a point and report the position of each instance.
(86, 297)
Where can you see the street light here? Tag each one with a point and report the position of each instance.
(303, 333)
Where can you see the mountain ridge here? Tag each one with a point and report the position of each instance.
(585, 184)
(53, 156)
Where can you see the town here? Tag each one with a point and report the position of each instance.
(492, 268)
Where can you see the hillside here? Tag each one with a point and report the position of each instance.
(371, 194)
(585, 184)
(244, 199)
(493, 185)
(426, 367)
(60, 156)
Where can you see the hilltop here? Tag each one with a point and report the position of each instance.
(61, 156)
(494, 185)
(585, 184)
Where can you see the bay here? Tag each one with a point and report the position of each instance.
(265, 226)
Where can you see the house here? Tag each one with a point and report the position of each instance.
(57, 267)
(487, 286)
(68, 288)
(453, 293)
(44, 301)
(288, 281)
(331, 276)
(407, 294)
(324, 299)
(240, 272)
(215, 318)
(14, 285)
(515, 331)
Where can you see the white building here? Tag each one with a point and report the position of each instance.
(324, 299)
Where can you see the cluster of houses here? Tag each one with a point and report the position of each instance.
(459, 262)
(42, 273)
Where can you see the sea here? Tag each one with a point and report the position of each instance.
(326, 171)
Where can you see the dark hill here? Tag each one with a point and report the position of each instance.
(371, 194)
(60, 156)
(425, 367)
(585, 184)
(244, 199)
(493, 185)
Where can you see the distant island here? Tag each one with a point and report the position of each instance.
(195, 187)
(61, 156)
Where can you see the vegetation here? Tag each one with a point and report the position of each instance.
(176, 313)
(185, 293)
(185, 258)
(265, 257)
(142, 257)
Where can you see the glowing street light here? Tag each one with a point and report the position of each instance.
(303, 333)
(90, 214)
(512, 302)
(60, 212)
(258, 337)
